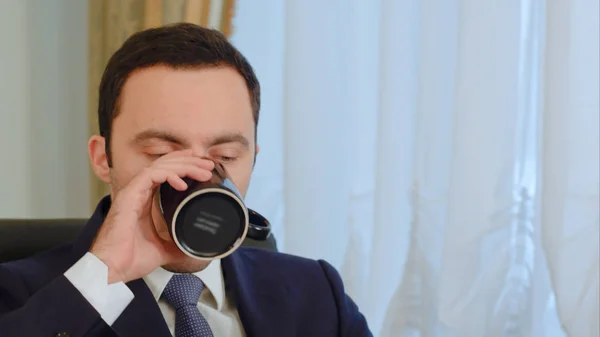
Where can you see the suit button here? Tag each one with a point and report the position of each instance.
(63, 334)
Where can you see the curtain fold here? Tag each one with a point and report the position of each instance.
(571, 162)
(443, 156)
(111, 22)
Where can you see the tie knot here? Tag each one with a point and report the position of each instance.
(183, 289)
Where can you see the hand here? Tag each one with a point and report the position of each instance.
(128, 242)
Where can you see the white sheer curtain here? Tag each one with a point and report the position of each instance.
(442, 154)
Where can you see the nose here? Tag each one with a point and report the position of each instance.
(198, 151)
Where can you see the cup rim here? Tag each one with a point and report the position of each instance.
(235, 245)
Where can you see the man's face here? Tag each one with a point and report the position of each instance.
(163, 110)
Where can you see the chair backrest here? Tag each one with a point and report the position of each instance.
(22, 238)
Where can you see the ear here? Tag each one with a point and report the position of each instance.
(256, 149)
(98, 158)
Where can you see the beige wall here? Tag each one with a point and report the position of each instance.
(43, 109)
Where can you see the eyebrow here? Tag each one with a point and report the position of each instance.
(233, 137)
(156, 134)
(230, 138)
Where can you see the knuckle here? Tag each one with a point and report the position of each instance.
(147, 170)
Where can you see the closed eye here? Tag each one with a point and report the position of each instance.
(156, 155)
(225, 159)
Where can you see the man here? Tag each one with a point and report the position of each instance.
(172, 101)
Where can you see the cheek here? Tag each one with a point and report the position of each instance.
(124, 170)
(126, 159)
(241, 177)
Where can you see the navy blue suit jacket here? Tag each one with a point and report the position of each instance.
(276, 295)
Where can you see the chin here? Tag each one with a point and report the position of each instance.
(186, 265)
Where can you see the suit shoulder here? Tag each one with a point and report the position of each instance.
(270, 258)
(319, 284)
(312, 273)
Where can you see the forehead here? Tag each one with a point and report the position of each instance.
(189, 102)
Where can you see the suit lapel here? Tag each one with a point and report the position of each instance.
(259, 299)
(142, 317)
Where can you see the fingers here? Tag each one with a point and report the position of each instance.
(172, 168)
(186, 156)
(175, 166)
(175, 181)
(185, 170)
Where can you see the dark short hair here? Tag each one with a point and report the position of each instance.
(179, 46)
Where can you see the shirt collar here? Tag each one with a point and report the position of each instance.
(211, 276)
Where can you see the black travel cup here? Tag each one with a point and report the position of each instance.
(207, 221)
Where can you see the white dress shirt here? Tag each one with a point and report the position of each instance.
(90, 276)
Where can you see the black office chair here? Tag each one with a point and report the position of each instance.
(26, 237)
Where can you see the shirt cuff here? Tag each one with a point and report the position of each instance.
(90, 276)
